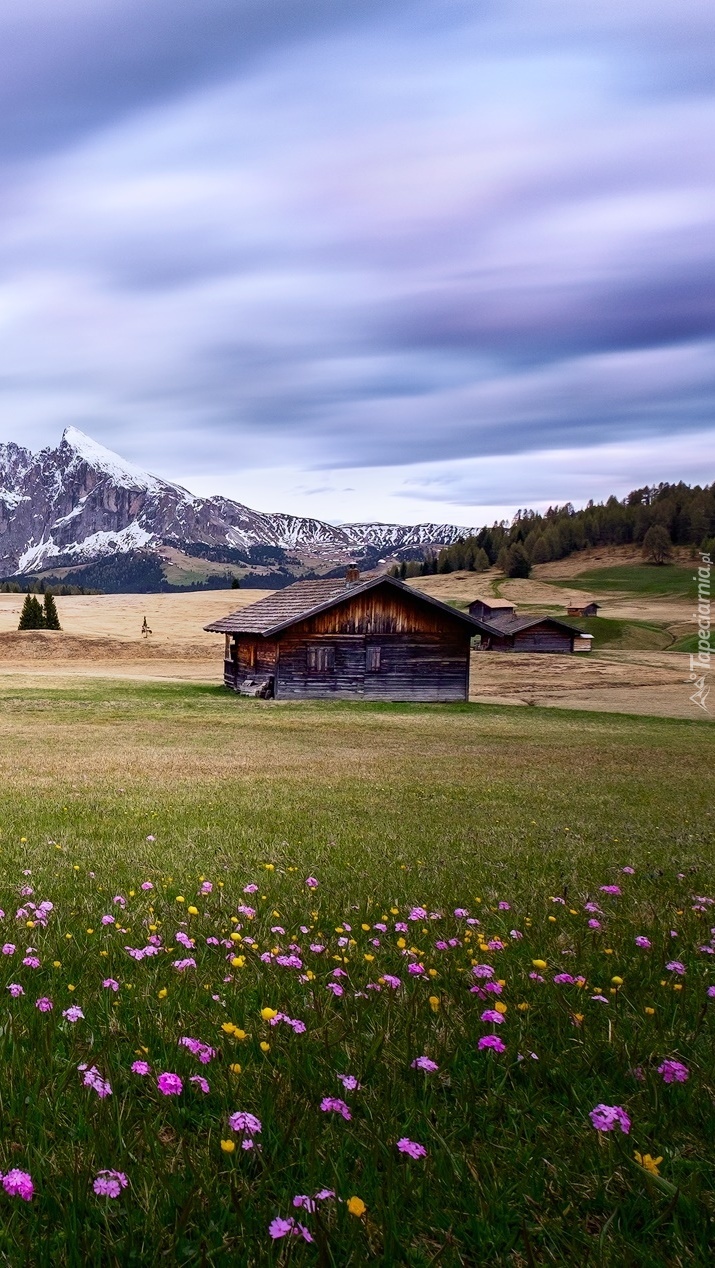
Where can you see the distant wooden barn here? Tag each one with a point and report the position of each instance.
(373, 638)
(584, 609)
(502, 630)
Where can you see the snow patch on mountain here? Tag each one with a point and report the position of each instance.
(123, 474)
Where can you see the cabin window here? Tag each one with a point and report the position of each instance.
(372, 660)
(321, 659)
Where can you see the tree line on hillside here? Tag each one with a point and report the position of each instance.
(656, 518)
(39, 616)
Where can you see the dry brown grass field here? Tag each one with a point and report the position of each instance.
(101, 637)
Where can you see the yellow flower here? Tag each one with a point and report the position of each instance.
(268, 1013)
(552, 919)
(401, 943)
(369, 958)
(68, 935)
(648, 1163)
(265, 1047)
(434, 1003)
(30, 924)
(270, 867)
(608, 950)
(57, 964)
(499, 1007)
(193, 911)
(163, 993)
(236, 937)
(617, 981)
(431, 972)
(235, 1068)
(90, 931)
(356, 1206)
(180, 898)
(70, 987)
(395, 911)
(523, 1007)
(365, 928)
(228, 1146)
(104, 953)
(539, 964)
(650, 1012)
(578, 1018)
(238, 961)
(678, 986)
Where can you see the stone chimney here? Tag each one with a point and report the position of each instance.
(352, 575)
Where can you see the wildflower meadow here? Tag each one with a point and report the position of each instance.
(219, 1049)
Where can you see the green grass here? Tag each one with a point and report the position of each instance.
(389, 807)
(624, 635)
(670, 581)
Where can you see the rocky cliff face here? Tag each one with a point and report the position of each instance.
(80, 502)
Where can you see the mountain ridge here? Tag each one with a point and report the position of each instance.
(80, 502)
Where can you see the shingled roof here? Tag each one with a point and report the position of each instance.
(305, 598)
(514, 624)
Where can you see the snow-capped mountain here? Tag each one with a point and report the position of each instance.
(80, 503)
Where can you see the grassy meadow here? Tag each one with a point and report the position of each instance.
(317, 897)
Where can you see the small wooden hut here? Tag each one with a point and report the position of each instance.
(372, 638)
(532, 634)
(583, 609)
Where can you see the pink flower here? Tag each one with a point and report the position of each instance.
(350, 1082)
(151, 837)
(200, 1082)
(73, 1013)
(206, 888)
(18, 1184)
(492, 1041)
(246, 1123)
(711, 992)
(15, 989)
(169, 1084)
(426, 1064)
(416, 969)
(611, 889)
(606, 1118)
(336, 988)
(311, 882)
(250, 889)
(109, 1184)
(110, 984)
(482, 970)
(284, 1228)
(181, 965)
(675, 966)
(8, 948)
(393, 982)
(107, 920)
(643, 942)
(491, 1015)
(411, 1148)
(147, 885)
(333, 1105)
(629, 871)
(203, 1051)
(45, 1005)
(564, 979)
(92, 1078)
(673, 1071)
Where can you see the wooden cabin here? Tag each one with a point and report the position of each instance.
(485, 609)
(373, 638)
(583, 609)
(532, 634)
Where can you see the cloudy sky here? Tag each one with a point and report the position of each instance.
(363, 258)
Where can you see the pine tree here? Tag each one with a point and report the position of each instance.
(235, 584)
(517, 561)
(32, 616)
(51, 616)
